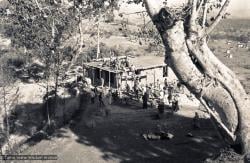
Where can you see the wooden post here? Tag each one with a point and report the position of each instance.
(117, 80)
(154, 78)
(109, 78)
(98, 40)
(93, 76)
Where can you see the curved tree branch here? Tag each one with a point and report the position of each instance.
(193, 14)
(212, 82)
(218, 18)
(200, 5)
(204, 15)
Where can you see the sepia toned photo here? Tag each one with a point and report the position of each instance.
(125, 81)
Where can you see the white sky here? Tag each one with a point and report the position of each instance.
(238, 8)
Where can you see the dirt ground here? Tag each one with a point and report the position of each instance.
(118, 137)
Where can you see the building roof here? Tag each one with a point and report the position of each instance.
(140, 63)
(99, 64)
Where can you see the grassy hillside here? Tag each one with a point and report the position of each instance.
(230, 35)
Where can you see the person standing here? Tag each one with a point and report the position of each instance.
(136, 88)
(109, 96)
(96, 91)
(92, 96)
(196, 121)
(101, 103)
(145, 101)
(127, 88)
(158, 85)
(170, 94)
(166, 83)
(102, 82)
(149, 92)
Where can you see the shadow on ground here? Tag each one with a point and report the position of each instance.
(119, 137)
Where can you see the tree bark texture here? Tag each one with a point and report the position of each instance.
(188, 54)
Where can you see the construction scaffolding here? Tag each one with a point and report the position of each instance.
(118, 72)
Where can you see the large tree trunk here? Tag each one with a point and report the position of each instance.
(215, 85)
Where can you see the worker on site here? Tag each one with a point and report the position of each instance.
(127, 88)
(96, 91)
(102, 82)
(149, 91)
(196, 121)
(166, 83)
(145, 101)
(158, 85)
(109, 96)
(126, 62)
(92, 96)
(101, 103)
(180, 88)
(136, 87)
(161, 108)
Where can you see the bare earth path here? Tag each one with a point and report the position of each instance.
(117, 138)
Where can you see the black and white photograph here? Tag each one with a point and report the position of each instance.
(125, 81)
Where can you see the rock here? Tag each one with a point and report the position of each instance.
(107, 112)
(32, 130)
(39, 136)
(190, 135)
(145, 136)
(18, 123)
(155, 137)
(196, 121)
(158, 136)
(247, 158)
(72, 122)
(170, 136)
(91, 124)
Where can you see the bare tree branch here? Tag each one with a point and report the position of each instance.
(192, 22)
(218, 18)
(212, 114)
(204, 15)
(200, 6)
(194, 11)
(138, 12)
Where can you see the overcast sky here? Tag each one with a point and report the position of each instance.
(238, 8)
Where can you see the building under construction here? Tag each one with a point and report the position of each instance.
(117, 72)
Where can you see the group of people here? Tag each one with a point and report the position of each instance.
(119, 63)
(147, 92)
(101, 95)
(156, 95)
(160, 97)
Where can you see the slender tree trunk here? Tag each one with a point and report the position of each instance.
(98, 40)
(7, 118)
(47, 102)
(6, 114)
(57, 73)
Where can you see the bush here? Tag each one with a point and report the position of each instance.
(16, 61)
